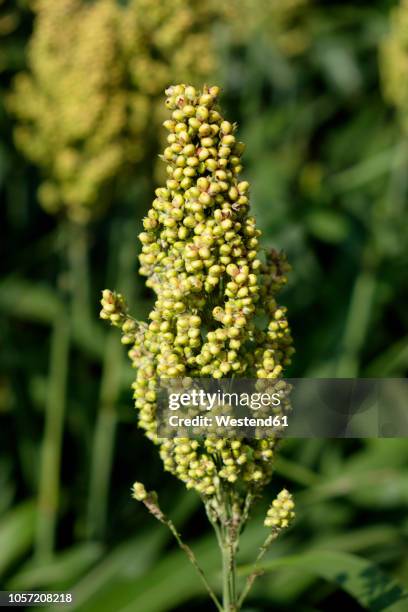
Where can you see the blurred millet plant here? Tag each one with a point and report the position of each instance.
(86, 105)
(71, 104)
(212, 286)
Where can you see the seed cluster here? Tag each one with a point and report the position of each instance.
(215, 313)
(70, 104)
(88, 102)
(280, 513)
(139, 492)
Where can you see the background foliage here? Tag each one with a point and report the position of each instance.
(327, 157)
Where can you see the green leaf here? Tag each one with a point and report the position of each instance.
(41, 304)
(27, 300)
(289, 584)
(129, 587)
(328, 225)
(127, 581)
(61, 571)
(122, 573)
(360, 578)
(392, 361)
(16, 534)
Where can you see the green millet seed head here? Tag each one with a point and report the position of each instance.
(200, 254)
(114, 308)
(281, 512)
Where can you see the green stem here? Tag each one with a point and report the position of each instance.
(227, 529)
(153, 507)
(228, 542)
(79, 273)
(50, 462)
(257, 571)
(193, 560)
(229, 571)
(104, 437)
(48, 497)
(226, 587)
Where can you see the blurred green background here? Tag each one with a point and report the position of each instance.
(327, 157)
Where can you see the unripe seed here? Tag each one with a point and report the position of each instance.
(207, 142)
(202, 112)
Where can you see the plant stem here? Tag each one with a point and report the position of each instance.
(226, 578)
(48, 496)
(104, 437)
(193, 560)
(228, 543)
(257, 571)
(79, 273)
(151, 503)
(50, 462)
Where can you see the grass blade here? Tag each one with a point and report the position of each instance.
(16, 533)
(360, 578)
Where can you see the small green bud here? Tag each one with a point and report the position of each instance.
(281, 512)
(138, 491)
